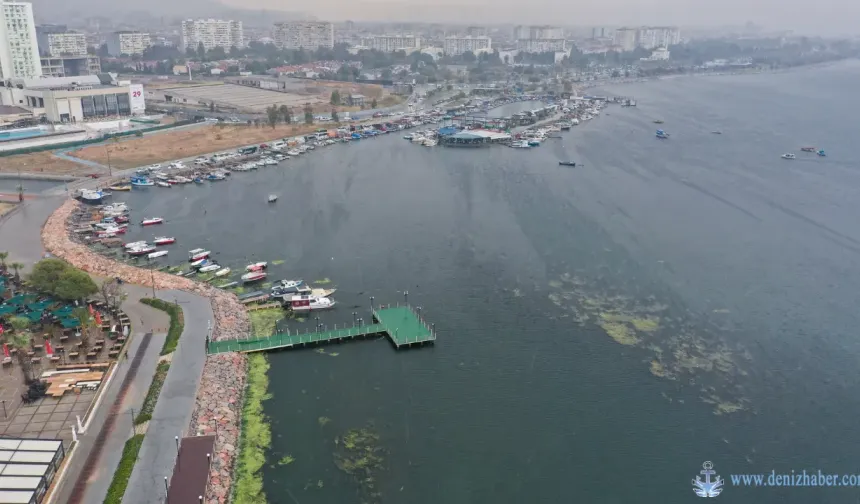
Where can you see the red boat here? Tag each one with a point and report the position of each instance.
(120, 219)
(253, 276)
(141, 250)
(164, 240)
(151, 221)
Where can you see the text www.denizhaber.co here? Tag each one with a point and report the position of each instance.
(796, 479)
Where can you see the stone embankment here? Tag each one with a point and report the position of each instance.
(218, 407)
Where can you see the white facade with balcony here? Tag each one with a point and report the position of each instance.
(455, 46)
(211, 33)
(392, 43)
(309, 35)
(19, 47)
(66, 44)
(129, 43)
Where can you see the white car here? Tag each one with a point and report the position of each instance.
(177, 165)
(154, 167)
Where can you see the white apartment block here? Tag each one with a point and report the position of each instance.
(309, 35)
(211, 33)
(19, 47)
(127, 42)
(625, 38)
(66, 44)
(455, 46)
(392, 43)
(538, 32)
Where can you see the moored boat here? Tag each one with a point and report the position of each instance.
(162, 183)
(199, 263)
(253, 276)
(143, 250)
(136, 244)
(198, 253)
(209, 267)
(222, 272)
(821, 153)
(160, 253)
(150, 221)
(788, 155)
(808, 149)
(273, 198)
(662, 134)
(310, 303)
(91, 197)
(567, 163)
(142, 182)
(257, 266)
(164, 240)
(120, 187)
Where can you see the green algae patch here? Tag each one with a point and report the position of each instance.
(620, 332)
(277, 262)
(657, 369)
(647, 324)
(323, 421)
(359, 455)
(256, 435)
(286, 460)
(263, 322)
(324, 281)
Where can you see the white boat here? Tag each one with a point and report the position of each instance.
(198, 253)
(139, 251)
(788, 155)
(92, 197)
(142, 182)
(221, 272)
(524, 144)
(161, 176)
(136, 244)
(160, 253)
(273, 198)
(253, 276)
(164, 240)
(149, 221)
(199, 263)
(161, 183)
(293, 152)
(310, 303)
(286, 287)
(209, 267)
(256, 266)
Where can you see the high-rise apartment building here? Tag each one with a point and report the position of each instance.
(128, 43)
(19, 47)
(211, 33)
(62, 44)
(309, 35)
(454, 46)
(392, 43)
(625, 38)
(536, 39)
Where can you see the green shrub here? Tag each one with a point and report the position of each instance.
(176, 322)
(123, 470)
(256, 435)
(145, 414)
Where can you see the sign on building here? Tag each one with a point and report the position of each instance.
(136, 100)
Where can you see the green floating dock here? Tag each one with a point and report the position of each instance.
(401, 324)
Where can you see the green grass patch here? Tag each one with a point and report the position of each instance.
(256, 435)
(123, 471)
(177, 322)
(152, 395)
(263, 322)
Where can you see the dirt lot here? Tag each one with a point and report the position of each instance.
(5, 207)
(187, 143)
(43, 162)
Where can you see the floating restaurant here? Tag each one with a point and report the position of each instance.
(474, 138)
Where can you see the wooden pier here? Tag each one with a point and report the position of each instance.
(401, 324)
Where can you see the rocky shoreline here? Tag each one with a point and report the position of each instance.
(224, 375)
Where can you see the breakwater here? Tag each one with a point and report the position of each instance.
(219, 395)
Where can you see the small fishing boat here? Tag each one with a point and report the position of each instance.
(534, 142)
(658, 121)
(253, 276)
(150, 221)
(310, 303)
(198, 180)
(821, 153)
(788, 155)
(273, 198)
(141, 182)
(215, 177)
(717, 132)
(199, 263)
(662, 134)
(258, 266)
(121, 187)
(567, 163)
(91, 197)
(162, 183)
(121, 219)
(136, 244)
(808, 149)
(160, 253)
(222, 272)
(143, 250)
(198, 253)
(209, 267)
(164, 240)
(521, 145)
(227, 285)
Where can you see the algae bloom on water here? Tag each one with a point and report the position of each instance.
(620, 332)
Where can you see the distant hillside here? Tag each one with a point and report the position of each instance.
(156, 11)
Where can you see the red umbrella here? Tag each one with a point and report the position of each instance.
(5, 350)
(90, 307)
(98, 318)
(48, 350)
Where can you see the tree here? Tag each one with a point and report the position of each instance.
(286, 114)
(335, 97)
(3, 256)
(272, 115)
(568, 87)
(87, 321)
(212, 106)
(373, 103)
(112, 293)
(17, 267)
(74, 284)
(309, 114)
(22, 340)
(334, 116)
(201, 50)
(46, 274)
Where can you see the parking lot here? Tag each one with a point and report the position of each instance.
(240, 97)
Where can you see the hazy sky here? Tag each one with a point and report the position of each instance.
(830, 16)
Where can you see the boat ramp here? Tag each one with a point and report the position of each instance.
(401, 324)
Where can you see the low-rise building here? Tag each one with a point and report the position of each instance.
(73, 99)
(127, 43)
(71, 66)
(356, 100)
(455, 46)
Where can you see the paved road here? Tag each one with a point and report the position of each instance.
(173, 411)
